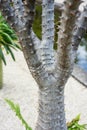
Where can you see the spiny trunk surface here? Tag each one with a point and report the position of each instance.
(50, 72)
(51, 109)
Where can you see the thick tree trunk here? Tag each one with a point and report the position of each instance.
(51, 109)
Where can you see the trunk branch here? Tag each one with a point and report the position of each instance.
(48, 20)
(29, 7)
(65, 54)
(80, 29)
(47, 53)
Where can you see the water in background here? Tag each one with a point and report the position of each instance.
(82, 55)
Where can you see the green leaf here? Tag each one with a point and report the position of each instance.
(16, 109)
(6, 48)
(12, 55)
(77, 118)
(11, 104)
(2, 56)
(8, 30)
(18, 46)
(6, 38)
(74, 124)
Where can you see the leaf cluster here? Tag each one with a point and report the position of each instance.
(8, 40)
(74, 124)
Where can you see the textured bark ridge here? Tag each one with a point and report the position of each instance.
(50, 72)
(51, 109)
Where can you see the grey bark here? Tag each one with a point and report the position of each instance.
(50, 70)
(51, 109)
(80, 29)
(47, 35)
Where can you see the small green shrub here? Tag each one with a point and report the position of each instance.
(73, 125)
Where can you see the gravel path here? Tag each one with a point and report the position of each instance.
(20, 87)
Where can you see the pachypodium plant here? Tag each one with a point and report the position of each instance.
(50, 69)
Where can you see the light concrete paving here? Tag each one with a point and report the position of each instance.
(20, 87)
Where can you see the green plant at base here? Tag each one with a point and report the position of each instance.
(73, 125)
(16, 109)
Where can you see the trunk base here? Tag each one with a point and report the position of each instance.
(51, 109)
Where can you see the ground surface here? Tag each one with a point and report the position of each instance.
(20, 87)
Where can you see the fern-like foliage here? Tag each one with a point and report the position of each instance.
(8, 40)
(16, 109)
